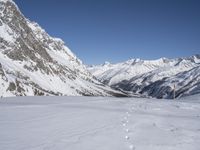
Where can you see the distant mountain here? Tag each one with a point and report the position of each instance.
(153, 78)
(34, 63)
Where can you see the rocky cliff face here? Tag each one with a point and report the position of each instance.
(34, 63)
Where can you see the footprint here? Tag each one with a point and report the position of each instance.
(127, 137)
(154, 124)
(127, 130)
(133, 109)
(131, 147)
(125, 118)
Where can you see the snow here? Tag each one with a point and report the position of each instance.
(97, 123)
(6, 33)
(135, 76)
(60, 71)
(56, 42)
(49, 82)
(160, 68)
(4, 1)
(11, 1)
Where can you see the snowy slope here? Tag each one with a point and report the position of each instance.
(186, 83)
(154, 78)
(34, 63)
(114, 73)
(86, 123)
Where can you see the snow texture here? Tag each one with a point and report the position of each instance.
(86, 123)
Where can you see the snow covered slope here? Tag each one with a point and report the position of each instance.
(34, 63)
(86, 123)
(154, 78)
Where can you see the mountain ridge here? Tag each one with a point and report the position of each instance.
(34, 63)
(147, 77)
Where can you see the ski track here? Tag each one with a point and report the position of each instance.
(66, 123)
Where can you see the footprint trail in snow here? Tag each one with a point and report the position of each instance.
(125, 125)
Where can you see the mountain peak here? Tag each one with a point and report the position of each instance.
(106, 63)
(154, 78)
(197, 56)
(34, 63)
(7, 1)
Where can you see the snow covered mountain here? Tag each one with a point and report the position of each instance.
(34, 63)
(155, 78)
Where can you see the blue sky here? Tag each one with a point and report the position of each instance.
(117, 30)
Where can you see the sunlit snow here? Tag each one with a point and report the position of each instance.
(86, 123)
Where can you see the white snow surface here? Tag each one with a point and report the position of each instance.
(6, 33)
(97, 123)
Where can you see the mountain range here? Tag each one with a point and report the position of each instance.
(34, 63)
(152, 78)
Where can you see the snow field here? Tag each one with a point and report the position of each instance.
(100, 123)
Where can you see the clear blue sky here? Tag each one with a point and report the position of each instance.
(117, 30)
